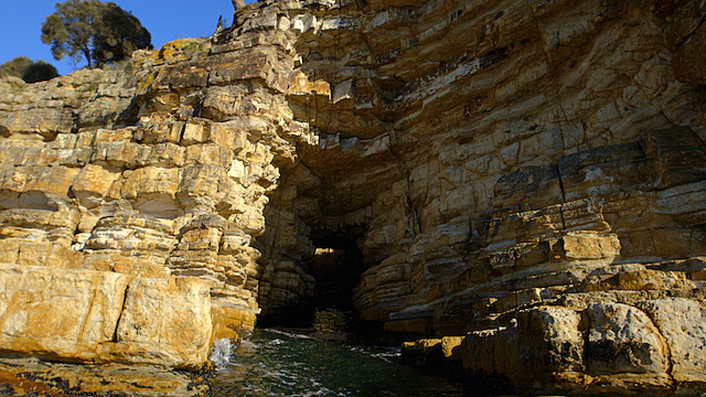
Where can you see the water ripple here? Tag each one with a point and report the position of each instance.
(277, 363)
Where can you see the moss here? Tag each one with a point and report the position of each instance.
(16, 86)
(193, 46)
(88, 88)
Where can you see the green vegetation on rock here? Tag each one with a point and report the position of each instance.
(27, 70)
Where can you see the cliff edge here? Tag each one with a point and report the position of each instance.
(517, 185)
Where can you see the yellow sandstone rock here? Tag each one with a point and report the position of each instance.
(59, 313)
(523, 178)
(165, 322)
(98, 316)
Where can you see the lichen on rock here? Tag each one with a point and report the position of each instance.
(517, 184)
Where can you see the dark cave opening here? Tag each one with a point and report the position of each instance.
(337, 266)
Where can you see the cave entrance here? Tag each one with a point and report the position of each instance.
(337, 267)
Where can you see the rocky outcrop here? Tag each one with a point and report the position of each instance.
(524, 179)
(607, 347)
(98, 317)
(31, 376)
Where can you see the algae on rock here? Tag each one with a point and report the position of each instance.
(522, 180)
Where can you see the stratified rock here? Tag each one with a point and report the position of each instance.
(524, 180)
(540, 347)
(100, 316)
(165, 322)
(30, 376)
(60, 313)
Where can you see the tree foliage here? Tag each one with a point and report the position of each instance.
(30, 72)
(98, 32)
(15, 67)
(39, 71)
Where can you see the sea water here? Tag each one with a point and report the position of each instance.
(277, 363)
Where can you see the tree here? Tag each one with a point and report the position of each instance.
(39, 71)
(98, 32)
(118, 35)
(30, 72)
(15, 67)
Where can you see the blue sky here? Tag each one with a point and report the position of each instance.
(166, 20)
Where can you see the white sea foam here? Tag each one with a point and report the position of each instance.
(289, 334)
(247, 346)
(386, 355)
(275, 342)
(221, 352)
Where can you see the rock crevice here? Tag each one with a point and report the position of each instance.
(504, 171)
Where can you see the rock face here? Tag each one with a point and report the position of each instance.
(30, 376)
(98, 317)
(526, 179)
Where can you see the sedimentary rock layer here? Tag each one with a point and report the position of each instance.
(515, 176)
(97, 316)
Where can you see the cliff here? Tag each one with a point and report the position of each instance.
(525, 179)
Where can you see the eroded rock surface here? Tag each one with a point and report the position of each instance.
(30, 376)
(99, 316)
(525, 179)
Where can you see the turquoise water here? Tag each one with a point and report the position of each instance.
(275, 363)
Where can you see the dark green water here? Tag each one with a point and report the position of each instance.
(274, 363)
